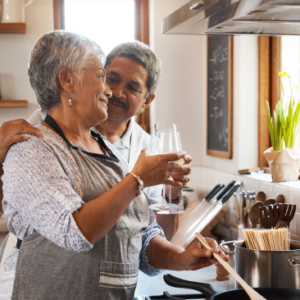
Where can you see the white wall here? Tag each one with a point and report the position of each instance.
(14, 57)
(181, 96)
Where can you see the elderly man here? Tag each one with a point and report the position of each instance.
(133, 73)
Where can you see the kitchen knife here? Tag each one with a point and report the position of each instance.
(221, 202)
(210, 195)
(226, 189)
(227, 196)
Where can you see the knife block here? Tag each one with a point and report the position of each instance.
(188, 219)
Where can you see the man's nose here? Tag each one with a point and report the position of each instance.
(117, 91)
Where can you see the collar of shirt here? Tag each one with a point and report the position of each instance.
(124, 141)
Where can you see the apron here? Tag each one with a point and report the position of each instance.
(110, 269)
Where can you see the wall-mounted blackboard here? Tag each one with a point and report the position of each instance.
(219, 95)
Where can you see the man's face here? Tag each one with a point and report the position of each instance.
(128, 81)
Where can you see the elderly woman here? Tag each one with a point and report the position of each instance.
(83, 225)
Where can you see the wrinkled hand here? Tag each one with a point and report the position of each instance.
(157, 169)
(197, 256)
(10, 133)
(182, 177)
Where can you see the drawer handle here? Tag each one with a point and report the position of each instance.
(197, 5)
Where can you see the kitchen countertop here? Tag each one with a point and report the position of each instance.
(156, 285)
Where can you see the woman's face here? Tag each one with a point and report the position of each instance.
(90, 96)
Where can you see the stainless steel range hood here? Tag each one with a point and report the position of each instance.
(229, 17)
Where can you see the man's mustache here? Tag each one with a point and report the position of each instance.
(117, 101)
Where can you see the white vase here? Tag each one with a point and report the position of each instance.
(284, 164)
(13, 11)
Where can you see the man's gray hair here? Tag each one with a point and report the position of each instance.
(142, 54)
(53, 51)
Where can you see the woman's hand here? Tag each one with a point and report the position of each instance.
(10, 133)
(197, 256)
(157, 169)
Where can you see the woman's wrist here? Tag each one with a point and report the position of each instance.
(133, 183)
(139, 181)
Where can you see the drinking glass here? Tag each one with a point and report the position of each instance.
(165, 139)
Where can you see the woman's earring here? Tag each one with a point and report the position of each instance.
(70, 100)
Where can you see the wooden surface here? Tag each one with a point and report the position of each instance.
(220, 91)
(275, 69)
(269, 60)
(13, 28)
(13, 103)
(142, 34)
(59, 14)
(263, 97)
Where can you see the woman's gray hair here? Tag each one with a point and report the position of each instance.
(142, 54)
(53, 51)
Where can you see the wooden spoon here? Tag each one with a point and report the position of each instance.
(280, 199)
(272, 218)
(263, 218)
(261, 196)
(245, 218)
(248, 289)
(269, 202)
(254, 213)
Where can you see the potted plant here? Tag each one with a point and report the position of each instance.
(282, 157)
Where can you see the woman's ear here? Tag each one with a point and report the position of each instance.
(66, 80)
(149, 99)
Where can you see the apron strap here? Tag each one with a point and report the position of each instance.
(51, 122)
(18, 245)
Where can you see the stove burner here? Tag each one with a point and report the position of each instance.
(167, 296)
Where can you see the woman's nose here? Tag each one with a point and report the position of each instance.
(108, 92)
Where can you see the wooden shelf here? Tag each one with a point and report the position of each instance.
(13, 103)
(10, 28)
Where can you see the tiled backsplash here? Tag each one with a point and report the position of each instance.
(204, 179)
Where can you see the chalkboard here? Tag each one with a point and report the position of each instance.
(219, 95)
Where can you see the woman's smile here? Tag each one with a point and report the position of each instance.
(104, 102)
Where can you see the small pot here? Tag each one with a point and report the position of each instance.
(272, 269)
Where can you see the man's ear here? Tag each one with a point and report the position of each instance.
(149, 99)
(66, 80)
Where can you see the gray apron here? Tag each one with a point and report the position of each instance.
(108, 271)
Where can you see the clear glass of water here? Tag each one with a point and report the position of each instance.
(165, 139)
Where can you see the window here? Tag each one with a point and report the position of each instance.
(108, 23)
(290, 63)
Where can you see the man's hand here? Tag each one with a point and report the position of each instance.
(197, 256)
(182, 177)
(10, 133)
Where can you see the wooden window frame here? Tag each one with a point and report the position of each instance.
(141, 34)
(269, 64)
(59, 14)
